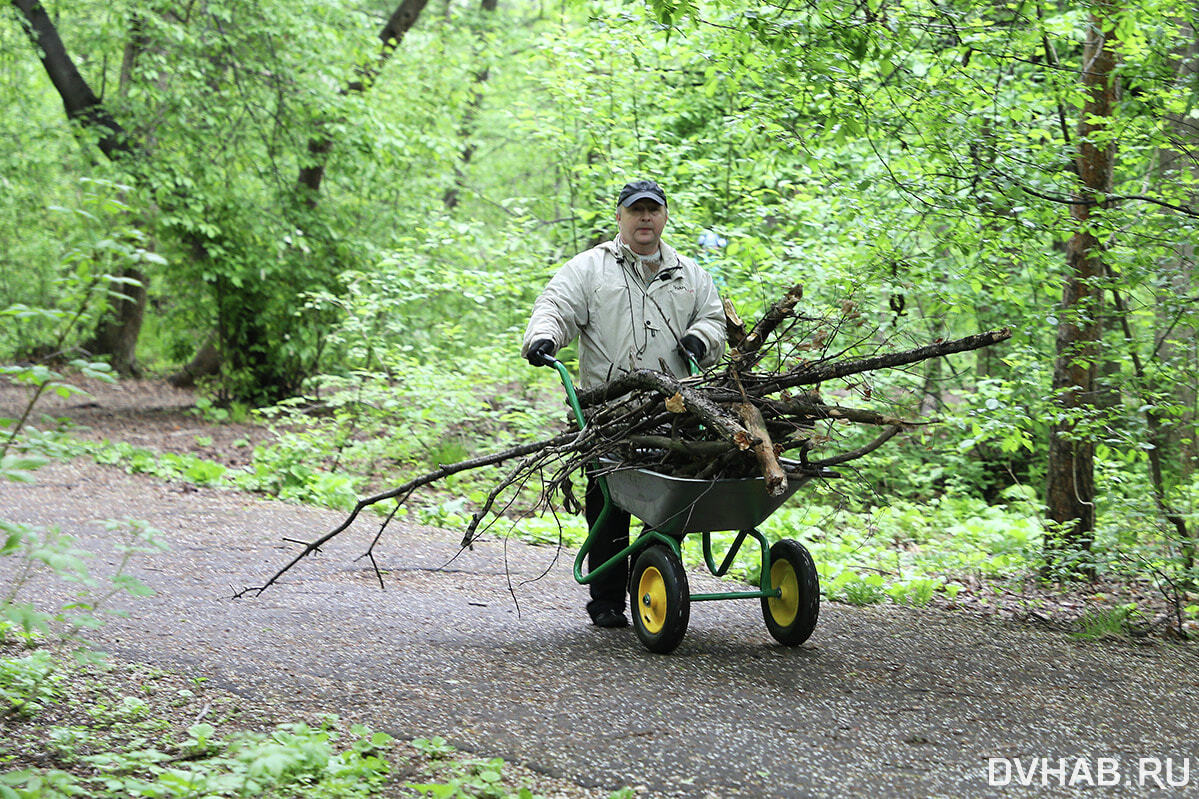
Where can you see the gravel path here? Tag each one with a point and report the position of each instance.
(881, 701)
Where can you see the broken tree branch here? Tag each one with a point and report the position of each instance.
(670, 388)
(886, 436)
(810, 374)
(776, 478)
(748, 351)
(403, 491)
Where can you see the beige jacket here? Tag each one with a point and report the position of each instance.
(623, 324)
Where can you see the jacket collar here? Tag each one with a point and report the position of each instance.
(616, 247)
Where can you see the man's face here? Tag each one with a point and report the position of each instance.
(641, 225)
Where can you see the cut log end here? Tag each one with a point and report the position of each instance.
(772, 470)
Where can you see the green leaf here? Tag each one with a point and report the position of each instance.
(436, 790)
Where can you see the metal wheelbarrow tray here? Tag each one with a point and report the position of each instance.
(676, 506)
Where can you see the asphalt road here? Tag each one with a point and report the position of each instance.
(881, 701)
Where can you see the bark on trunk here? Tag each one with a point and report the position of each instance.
(1070, 487)
(205, 363)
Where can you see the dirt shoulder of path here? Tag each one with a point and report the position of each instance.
(144, 413)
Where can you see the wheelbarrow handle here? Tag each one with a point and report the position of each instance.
(602, 481)
(569, 385)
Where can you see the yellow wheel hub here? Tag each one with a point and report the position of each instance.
(651, 602)
(784, 608)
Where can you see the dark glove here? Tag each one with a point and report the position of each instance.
(691, 347)
(539, 350)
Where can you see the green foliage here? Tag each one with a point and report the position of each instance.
(917, 593)
(463, 777)
(81, 276)
(27, 682)
(857, 589)
(294, 758)
(210, 411)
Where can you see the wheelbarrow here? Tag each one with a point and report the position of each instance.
(673, 507)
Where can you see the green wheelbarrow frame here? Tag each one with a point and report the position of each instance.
(669, 526)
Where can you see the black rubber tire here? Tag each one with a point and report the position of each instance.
(792, 617)
(659, 598)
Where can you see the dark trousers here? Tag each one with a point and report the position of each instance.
(607, 592)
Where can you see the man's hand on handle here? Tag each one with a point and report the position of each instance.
(540, 351)
(691, 348)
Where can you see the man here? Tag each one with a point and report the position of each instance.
(634, 303)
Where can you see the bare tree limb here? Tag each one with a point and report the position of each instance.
(810, 374)
(404, 491)
(749, 351)
(886, 436)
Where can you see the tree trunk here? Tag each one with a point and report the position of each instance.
(118, 330)
(205, 363)
(1070, 489)
(80, 102)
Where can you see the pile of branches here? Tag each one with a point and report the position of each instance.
(735, 420)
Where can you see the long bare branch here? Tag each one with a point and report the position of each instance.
(404, 491)
(845, 457)
(810, 374)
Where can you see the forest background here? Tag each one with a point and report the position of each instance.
(337, 216)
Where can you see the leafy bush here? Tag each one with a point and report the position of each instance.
(1114, 622)
(27, 682)
(293, 758)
